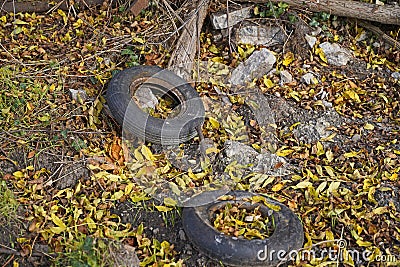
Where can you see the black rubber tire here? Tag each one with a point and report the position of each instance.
(288, 235)
(170, 131)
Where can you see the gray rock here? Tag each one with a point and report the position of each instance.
(317, 31)
(286, 77)
(311, 40)
(221, 20)
(327, 104)
(258, 64)
(356, 138)
(125, 256)
(396, 75)
(362, 36)
(243, 154)
(182, 235)
(259, 105)
(78, 95)
(308, 78)
(335, 54)
(145, 98)
(260, 35)
(376, 44)
(256, 162)
(316, 129)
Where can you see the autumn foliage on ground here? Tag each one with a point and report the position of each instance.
(63, 168)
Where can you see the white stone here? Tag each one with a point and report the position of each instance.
(311, 40)
(396, 75)
(335, 54)
(78, 95)
(145, 97)
(286, 77)
(308, 78)
(248, 218)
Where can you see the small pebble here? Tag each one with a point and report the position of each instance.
(249, 218)
(182, 235)
(356, 138)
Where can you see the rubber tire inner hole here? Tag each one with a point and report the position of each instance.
(242, 220)
(155, 99)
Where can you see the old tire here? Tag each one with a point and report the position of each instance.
(170, 131)
(283, 244)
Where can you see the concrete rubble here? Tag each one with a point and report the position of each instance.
(257, 162)
(259, 35)
(257, 65)
(311, 131)
(222, 20)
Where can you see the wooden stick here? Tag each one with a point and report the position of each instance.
(389, 40)
(182, 58)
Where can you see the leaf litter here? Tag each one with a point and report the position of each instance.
(348, 192)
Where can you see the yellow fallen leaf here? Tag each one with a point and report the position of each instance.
(128, 188)
(163, 208)
(212, 150)
(329, 155)
(284, 152)
(268, 83)
(330, 170)
(277, 187)
(303, 184)
(287, 59)
(213, 49)
(57, 221)
(321, 187)
(371, 195)
(352, 95)
(333, 187)
(368, 126)
(380, 210)
(362, 243)
(146, 152)
(394, 177)
(90, 223)
(170, 202)
(351, 154)
(214, 123)
(329, 235)
(320, 149)
(18, 174)
(56, 230)
(117, 195)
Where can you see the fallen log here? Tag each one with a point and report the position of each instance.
(40, 6)
(385, 14)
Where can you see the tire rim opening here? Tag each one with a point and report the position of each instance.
(243, 220)
(156, 97)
